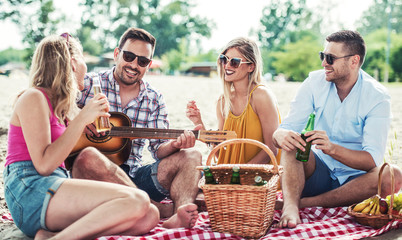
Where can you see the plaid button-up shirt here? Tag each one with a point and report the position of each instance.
(148, 110)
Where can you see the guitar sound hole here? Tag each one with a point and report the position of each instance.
(100, 139)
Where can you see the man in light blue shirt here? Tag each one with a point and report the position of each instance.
(353, 116)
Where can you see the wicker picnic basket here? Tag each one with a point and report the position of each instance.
(377, 221)
(245, 210)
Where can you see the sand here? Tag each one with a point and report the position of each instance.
(177, 91)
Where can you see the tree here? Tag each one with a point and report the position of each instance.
(297, 59)
(377, 16)
(376, 43)
(169, 23)
(35, 17)
(278, 19)
(396, 62)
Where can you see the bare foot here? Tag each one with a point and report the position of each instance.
(290, 217)
(186, 217)
(43, 234)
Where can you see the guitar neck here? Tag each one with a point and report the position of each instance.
(149, 133)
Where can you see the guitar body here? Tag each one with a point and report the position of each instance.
(117, 149)
(116, 144)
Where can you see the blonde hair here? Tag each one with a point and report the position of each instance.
(250, 51)
(51, 69)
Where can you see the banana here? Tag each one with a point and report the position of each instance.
(374, 208)
(360, 206)
(368, 208)
(378, 212)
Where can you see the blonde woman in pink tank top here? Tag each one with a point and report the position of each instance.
(44, 201)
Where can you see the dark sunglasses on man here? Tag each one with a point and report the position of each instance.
(330, 59)
(234, 62)
(129, 57)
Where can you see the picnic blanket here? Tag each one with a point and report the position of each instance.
(317, 222)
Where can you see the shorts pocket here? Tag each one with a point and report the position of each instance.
(14, 207)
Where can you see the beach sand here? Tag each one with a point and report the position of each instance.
(177, 91)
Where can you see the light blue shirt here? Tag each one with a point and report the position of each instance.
(360, 122)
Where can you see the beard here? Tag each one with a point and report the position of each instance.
(127, 80)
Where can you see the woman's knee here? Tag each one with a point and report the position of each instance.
(144, 215)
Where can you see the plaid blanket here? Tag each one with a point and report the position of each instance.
(317, 222)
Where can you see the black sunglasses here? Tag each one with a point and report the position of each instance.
(234, 62)
(129, 57)
(330, 59)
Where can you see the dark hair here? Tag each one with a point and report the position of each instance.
(353, 42)
(138, 34)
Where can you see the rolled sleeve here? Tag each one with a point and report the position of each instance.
(376, 129)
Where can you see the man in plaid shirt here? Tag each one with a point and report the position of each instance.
(174, 173)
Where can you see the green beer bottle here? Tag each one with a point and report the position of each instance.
(300, 155)
(258, 181)
(209, 178)
(235, 176)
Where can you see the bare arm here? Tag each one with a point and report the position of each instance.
(194, 114)
(361, 160)
(264, 105)
(185, 140)
(32, 114)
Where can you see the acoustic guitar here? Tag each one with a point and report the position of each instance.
(116, 143)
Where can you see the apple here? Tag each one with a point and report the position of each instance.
(383, 206)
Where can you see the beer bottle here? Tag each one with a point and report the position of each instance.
(235, 179)
(209, 178)
(300, 155)
(102, 124)
(258, 181)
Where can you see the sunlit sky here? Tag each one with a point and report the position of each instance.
(233, 18)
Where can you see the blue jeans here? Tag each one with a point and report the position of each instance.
(321, 181)
(28, 194)
(146, 179)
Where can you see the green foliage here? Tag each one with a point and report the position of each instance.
(37, 19)
(11, 55)
(396, 61)
(374, 63)
(169, 23)
(379, 15)
(297, 59)
(89, 44)
(278, 19)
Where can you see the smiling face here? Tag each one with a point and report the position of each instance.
(129, 73)
(340, 70)
(232, 74)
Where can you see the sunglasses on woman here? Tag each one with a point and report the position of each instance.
(129, 57)
(330, 59)
(67, 36)
(234, 62)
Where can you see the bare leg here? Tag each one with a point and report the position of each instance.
(90, 164)
(178, 174)
(84, 205)
(93, 165)
(356, 190)
(293, 180)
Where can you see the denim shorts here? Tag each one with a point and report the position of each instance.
(146, 179)
(27, 194)
(321, 181)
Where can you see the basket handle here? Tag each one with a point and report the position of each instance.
(391, 169)
(244, 140)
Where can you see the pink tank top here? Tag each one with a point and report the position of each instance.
(17, 149)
